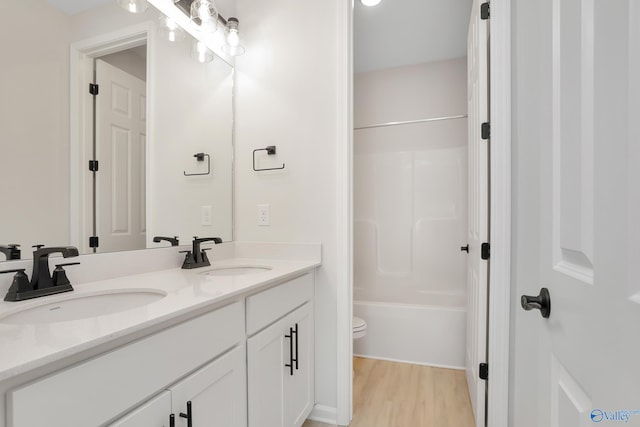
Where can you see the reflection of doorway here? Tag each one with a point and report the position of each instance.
(120, 147)
(126, 48)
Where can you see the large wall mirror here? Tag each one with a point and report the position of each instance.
(161, 128)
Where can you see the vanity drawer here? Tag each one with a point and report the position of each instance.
(270, 305)
(95, 391)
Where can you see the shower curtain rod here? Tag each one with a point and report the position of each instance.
(409, 122)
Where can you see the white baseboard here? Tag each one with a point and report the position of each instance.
(324, 414)
(411, 362)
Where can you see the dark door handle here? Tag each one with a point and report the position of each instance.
(291, 359)
(541, 302)
(188, 415)
(295, 331)
(465, 248)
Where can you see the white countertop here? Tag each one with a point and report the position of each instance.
(31, 346)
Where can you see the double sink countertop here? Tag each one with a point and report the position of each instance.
(130, 306)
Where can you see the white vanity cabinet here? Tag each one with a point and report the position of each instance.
(217, 393)
(193, 360)
(280, 351)
(247, 361)
(214, 395)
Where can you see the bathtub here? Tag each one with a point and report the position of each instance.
(430, 331)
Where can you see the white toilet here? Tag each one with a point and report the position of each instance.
(359, 328)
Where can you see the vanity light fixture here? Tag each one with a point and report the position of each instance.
(170, 29)
(232, 47)
(370, 2)
(134, 6)
(200, 52)
(205, 15)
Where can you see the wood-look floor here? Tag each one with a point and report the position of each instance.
(391, 394)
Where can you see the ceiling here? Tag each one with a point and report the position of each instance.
(405, 32)
(71, 7)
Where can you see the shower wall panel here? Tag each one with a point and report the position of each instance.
(410, 185)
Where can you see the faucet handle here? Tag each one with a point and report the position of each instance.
(38, 246)
(60, 276)
(19, 285)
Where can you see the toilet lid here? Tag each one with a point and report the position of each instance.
(359, 324)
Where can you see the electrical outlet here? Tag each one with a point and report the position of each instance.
(264, 215)
(206, 215)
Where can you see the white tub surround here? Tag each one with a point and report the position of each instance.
(424, 334)
(36, 351)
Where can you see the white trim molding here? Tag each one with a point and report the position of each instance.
(323, 414)
(500, 233)
(344, 214)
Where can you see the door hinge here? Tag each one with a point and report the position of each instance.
(93, 88)
(93, 165)
(485, 130)
(483, 372)
(485, 12)
(93, 242)
(485, 251)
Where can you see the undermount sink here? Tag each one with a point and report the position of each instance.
(236, 270)
(83, 306)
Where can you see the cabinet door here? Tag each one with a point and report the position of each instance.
(154, 413)
(265, 367)
(282, 395)
(299, 387)
(217, 393)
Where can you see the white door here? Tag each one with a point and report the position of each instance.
(214, 395)
(578, 206)
(477, 268)
(121, 152)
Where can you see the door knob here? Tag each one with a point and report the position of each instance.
(541, 302)
(465, 248)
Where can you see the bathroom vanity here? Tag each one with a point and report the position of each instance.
(229, 345)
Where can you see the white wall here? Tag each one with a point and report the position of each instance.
(287, 96)
(131, 61)
(34, 124)
(191, 113)
(435, 89)
(410, 183)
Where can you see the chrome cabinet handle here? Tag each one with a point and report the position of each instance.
(540, 302)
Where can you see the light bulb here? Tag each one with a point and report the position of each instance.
(233, 39)
(134, 6)
(170, 29)
(232, 46)
(203, 11)
(204, 14)
(370, 2)
(200, 52)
